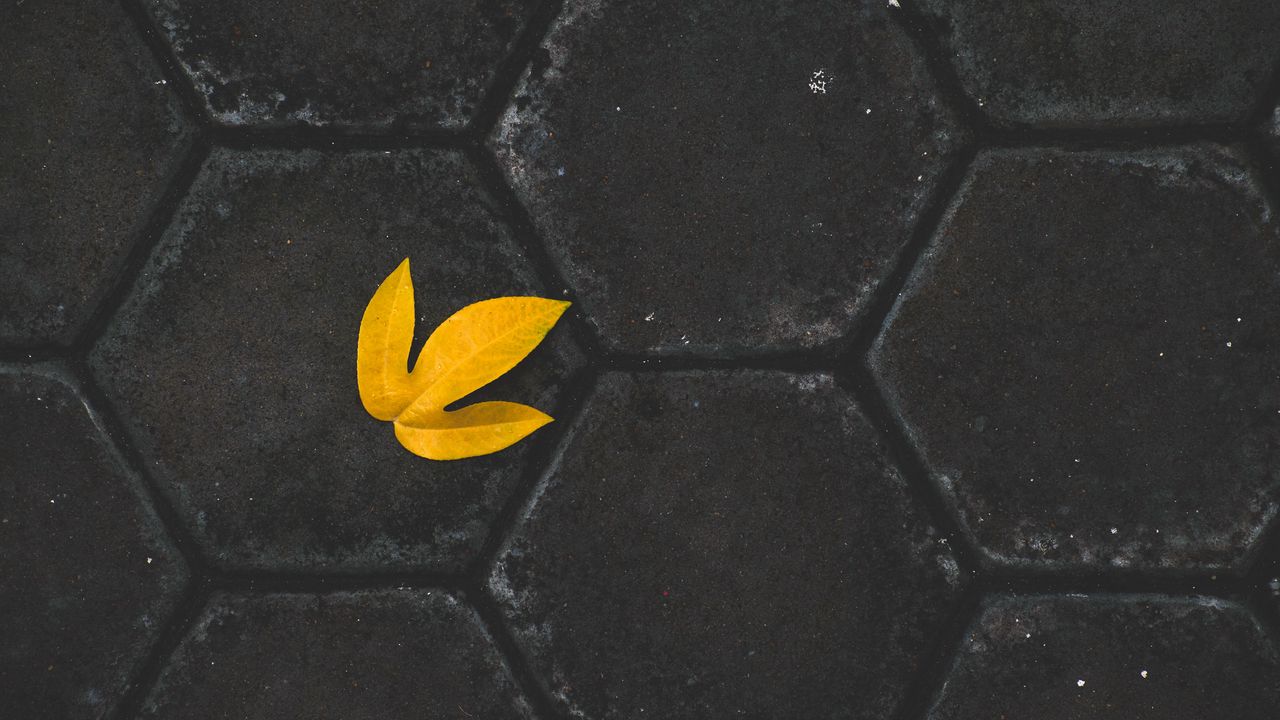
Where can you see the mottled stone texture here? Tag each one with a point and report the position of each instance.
(725, 177)
(1088, 357)
(378, 655)
(89, 134)
(233, 363)
(87, 575)
(402, 64)
(1079, 63)
(1131, 657)
(721, 544)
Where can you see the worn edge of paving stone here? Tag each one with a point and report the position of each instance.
(1228, 164)
(935, 651)
(954, 140)
(231, 166)
(219, 601)
(998, 600)
(1146, 113)
(178, 580)
(166, 20)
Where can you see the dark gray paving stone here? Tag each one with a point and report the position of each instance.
(91, 135)
(403, 64)
(365, 655)
(723, 544)
(1121, 657)
(1273, 130)
(89, 576)
(1078, 63)
(722, 177)
(233, 363)
(1088, 356)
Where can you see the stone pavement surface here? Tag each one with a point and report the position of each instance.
(924, 359)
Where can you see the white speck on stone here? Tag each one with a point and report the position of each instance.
(149, 561)
(160, 82)
(1080, 683)
(618, 108)
(1228, 343)
(868, 111)
(894, 3)
(649, 317)
(1143, 674)
(818, 81)
(1115, 530)
(1028, 636)
(919, 178)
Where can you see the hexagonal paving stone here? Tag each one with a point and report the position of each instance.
(89, 576)
(724, 543)
(380, 654)
(409, 65)
(91, 136)
(1088, 357)
(722, 177)
(1131, 657)
(1074, 63)
(234, 361)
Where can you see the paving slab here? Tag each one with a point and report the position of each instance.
(362, 66)
(721, 544)
(1087, 357)
(374, 655)
(89, 576)
(1133, 657)
(1076, 64)
(720, 177)
(233, 362)
(91, 134)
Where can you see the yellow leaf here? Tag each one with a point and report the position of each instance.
(478, 429)
(474, 347)
(382, 351)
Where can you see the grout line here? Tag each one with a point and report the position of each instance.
(117, 432)
(928, 42)
(192, 102)
(143, 245)
(572, 405)
(936, 661)
(509, 71)
(857, 378)
(185, 614)
(535, 692)
(526, 235)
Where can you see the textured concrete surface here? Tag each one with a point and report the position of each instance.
(1075, 63)
(89, 576)
(901, 329)
(367, 655)
(91, 134)
(1090, 365)
(724, 544)
(1139, 657)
